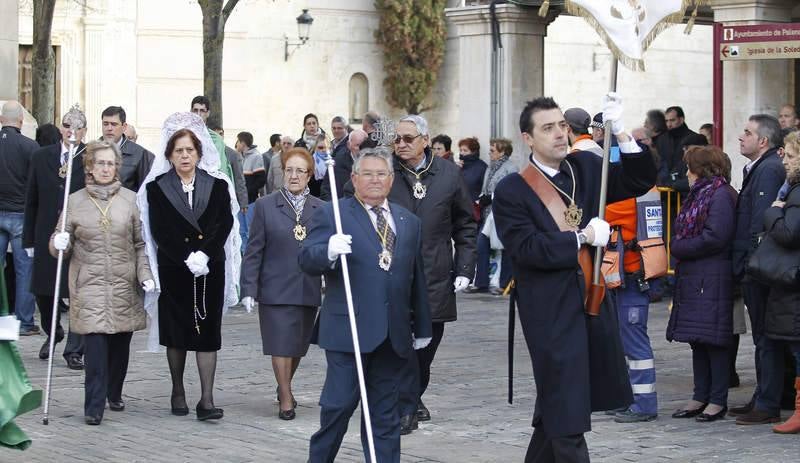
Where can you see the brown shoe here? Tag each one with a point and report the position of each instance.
(742, 409)
(757, 416)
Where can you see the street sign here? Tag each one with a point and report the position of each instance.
(760, 41)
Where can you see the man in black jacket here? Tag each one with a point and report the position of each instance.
(763, 176)
(15, 156)
(677, 131)
(434, 190)
(43, 203)
(343, 155)
(136, 161)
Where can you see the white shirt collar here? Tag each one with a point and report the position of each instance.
(547, 170)
(384, 206)
(422, 163)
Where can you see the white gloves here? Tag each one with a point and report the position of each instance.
(421, 343)
(612, 112)
(339, 244)
(248, 303)
(148, 286)
(29, 252)
(600, 232)
(197, 262)
(60, 241)
(460, 284)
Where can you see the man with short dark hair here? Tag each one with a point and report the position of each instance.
(546, 217)
(252, 165)
(16, 151)
(788, 118)
(678, 132)
(763, 176)
(201, 106)
(136, 161)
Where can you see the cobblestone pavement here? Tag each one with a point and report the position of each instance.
(472, 421)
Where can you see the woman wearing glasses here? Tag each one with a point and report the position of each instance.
(107, 276)
(287, 298)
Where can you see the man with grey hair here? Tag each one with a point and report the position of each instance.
(130, 133)
(43, 203)
(15, 157)
(434, 190)
(343, 164)
(384, 240)
(763, 176)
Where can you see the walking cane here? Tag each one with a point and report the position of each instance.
(351, 313)
(598, 288)
(75, 124)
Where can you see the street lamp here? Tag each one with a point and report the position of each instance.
(303, 28)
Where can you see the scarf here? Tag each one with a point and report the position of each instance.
(494, 166)
(103, 192)
(694, 211)
(298, 201)
(319, 165)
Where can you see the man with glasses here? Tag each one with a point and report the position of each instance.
(390, 294)
(275, 171)
(136, 161)
(201, 106)
(44, 201)
(434, 190)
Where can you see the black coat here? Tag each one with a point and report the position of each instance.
(783, 304)
(178, 231)
(578, 362)
(703, 304)
(759, 190)
(15, 160)
(44, 200)
(342, 168)
(447, 221)
(473, 171)
(136, 164)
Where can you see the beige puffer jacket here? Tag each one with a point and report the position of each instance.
(107, 268)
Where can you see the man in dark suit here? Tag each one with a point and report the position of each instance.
(136, 161)
(43, 204)
(578, 361)
(762, 178)
(384, 244)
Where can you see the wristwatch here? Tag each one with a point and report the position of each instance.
(581, 237)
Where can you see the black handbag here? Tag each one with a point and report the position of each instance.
(774, 264)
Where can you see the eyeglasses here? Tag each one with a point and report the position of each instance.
(291, 171)
(382, 175)
(408, 139)
(105, 164)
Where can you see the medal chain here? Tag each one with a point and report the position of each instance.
(105, 222)
(297, 214)
(571, 176)
(415, 174)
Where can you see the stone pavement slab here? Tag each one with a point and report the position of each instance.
(472, 420)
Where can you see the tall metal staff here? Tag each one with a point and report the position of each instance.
(351, 313)
(75, 120)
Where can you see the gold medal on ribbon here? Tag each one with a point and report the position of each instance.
(573, 215)
(299, 232)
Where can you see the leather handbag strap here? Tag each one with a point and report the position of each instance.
(548, 195)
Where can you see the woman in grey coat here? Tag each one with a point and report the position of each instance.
(287, 298)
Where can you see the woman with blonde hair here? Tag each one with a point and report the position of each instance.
(108, 274)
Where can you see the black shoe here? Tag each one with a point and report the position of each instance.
(116, 405)
(615, 411)
(278, 396)
(689, 413)
(32, 331)
(706, 418)
(474, 290)
(423, 414)
(178, 411)
(742, 409)
(630, 416)
(74, 362)
(44, 351)
(287, 415)
(92, 420)
(408, 424)
(204, 414)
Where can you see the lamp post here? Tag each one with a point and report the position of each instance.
(303, 28)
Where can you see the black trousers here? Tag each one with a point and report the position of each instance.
(417, 372)
(566, 449)
(769, 352)
(105, 363)
(712, 366)
(74, 341)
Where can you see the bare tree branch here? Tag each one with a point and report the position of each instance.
(228, 9)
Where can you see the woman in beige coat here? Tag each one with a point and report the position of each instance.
(107, 275)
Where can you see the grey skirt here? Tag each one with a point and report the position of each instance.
(286, 329)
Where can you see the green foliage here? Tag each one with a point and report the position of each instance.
(412, 34)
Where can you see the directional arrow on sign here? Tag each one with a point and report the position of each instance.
(725, 51)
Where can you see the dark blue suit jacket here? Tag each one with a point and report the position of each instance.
(385, 303)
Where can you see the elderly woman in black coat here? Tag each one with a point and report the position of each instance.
(287, 298)
(702, 312)
(782, 224)
(190, 216)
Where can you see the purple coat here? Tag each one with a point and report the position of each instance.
(702, 310)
